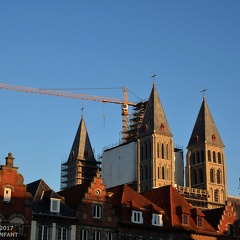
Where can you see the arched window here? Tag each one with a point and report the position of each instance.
(150, 150)
(219, 158)
(163, 154)
(193, 158)
(195, 176)
(163, 172)
(219, 179)
(209, 155)
(216, 195)
(158, 150)
(214, 156)
(198, 157)
(146, 150)
(146, 172)
(167, 151)
(212, 175)
(200, 173)
(158, 172)
(202, 156)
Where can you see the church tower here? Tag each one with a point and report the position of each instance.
(206, 168)
(81, 165)
(155, 146)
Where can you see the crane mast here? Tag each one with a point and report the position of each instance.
(57, 93)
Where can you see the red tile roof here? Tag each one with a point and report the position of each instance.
(175, 205)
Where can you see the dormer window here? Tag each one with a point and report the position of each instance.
(137, 217)
(7, 194)
(157, 219)
(55, 205)
(162, 127)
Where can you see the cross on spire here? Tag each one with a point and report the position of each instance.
(203, 91)
(153, 77)
(82, 110)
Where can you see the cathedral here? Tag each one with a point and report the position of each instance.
(148, 159)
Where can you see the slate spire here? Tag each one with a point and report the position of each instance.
(205, 130)
(154, 118)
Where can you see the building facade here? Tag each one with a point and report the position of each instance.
(15, 204)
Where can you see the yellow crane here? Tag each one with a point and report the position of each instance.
(57, 93)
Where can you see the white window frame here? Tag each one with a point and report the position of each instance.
(43, 232)
(55, 205)
(84, 234)
(62, 233)
(97, 235)
(157, 220)
(97, 211)
(7, 194)
(137, 217)
(109, 235)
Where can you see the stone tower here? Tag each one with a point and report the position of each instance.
(155, 146)
(205, 161)
(81, 165)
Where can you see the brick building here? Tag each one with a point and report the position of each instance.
(16, 202)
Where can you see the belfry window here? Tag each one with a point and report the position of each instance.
(212, 175)
(214, 156)
(209, 155)
(219, 158)
(218, 176)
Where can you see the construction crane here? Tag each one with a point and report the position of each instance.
(125, 103)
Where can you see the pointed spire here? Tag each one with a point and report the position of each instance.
(81, 148)
(205, 130)
(154, 118)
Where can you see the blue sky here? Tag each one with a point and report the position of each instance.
(98, 47)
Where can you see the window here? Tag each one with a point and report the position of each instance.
(7, 194)
(193, 159)
(195, 179)
(199, 221)
(55, 205)
(212, 175)
(218, 176)
(163, 151)
(146, 172)
(43, 232)
(137, 217)
(158, 150)
(62, 233)
(96, 235)
(163, 172)
(198, 157)
(97, 211)
(219, 158)
(200, 175)
(216, 195)
(202, 156)
(209, 156)
(185, 219)
(84, 234)
(109, 236)
(157, 219)
(214, 157)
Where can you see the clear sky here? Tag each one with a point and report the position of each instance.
(98, 47)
